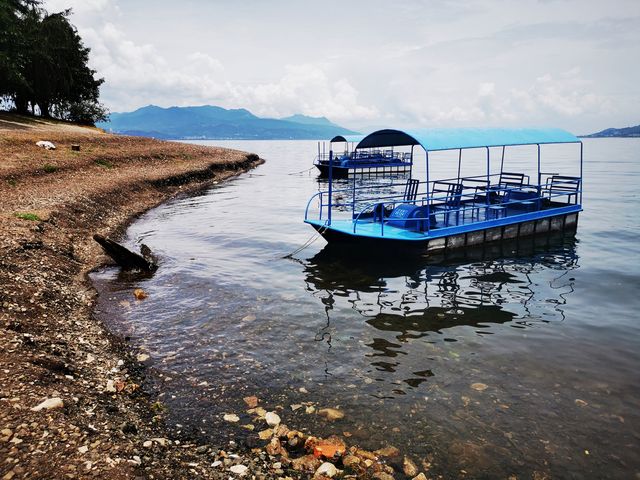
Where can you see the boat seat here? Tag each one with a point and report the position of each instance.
(560, 186)
(411, 190)
(446, 194)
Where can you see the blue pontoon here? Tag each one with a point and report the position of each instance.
(360, 161)
(456, 211)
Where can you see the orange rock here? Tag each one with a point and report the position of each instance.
(252, 401)
(140, 294)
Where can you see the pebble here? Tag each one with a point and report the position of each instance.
(48, 404)
(147, 444)
(111, 387)
(142, 357)
(479, 386)
(327, 469)
(252, 401)
(382, 476)
(231, 417)
(350, 461)
(409, 467)
(331, 414)
(420, 476)
(265, 434)
(580, 403)
(239, 469)
(272, 419)
(84, 449)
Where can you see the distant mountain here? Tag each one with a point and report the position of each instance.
(216, 123)
(616, 132)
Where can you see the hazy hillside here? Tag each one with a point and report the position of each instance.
(617, 132)
(210, 122)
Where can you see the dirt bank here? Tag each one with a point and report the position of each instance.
(97, 421)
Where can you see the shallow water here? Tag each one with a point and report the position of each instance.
(404, 348)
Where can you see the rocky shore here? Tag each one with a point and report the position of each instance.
(71, 402)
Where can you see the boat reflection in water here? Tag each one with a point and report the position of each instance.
(519, 284)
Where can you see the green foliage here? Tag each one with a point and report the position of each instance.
(28, 216)
(48, 168)
(43, 62)
(104, 163)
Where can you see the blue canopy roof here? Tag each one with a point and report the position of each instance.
(347, 138)
(455, 138)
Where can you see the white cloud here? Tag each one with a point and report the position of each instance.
(486, 62)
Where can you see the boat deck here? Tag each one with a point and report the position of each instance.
(456, 223)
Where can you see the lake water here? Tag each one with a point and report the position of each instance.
(404, 348)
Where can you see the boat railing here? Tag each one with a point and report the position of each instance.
(439, 210)
(472, 195)
(364, 156)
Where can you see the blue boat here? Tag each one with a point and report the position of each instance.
(456, 211)
(360, 161)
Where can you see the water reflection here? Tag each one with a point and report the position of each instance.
(406, 299)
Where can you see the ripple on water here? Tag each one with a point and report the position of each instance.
(515, 360)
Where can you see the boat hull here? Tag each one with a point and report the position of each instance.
(561, 222)
(380, 169)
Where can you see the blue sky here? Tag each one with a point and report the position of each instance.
(414, 63)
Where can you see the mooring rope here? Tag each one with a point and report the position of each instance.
(301, 171)
(311, 239)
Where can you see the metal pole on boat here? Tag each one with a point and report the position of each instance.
(539, 174)
(427, 190)
(330, 186)
(581, 145)
(488, 176)
(411, 164)
(502, 160)
(459, 163)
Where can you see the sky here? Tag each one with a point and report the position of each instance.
(366, 64)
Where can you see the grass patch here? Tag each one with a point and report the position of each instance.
(47, 167)
(28, 216)
(12, 182)
(104, 163)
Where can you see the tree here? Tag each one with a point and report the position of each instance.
(46, 64)
(14, 47)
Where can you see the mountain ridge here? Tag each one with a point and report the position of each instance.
(616, 132)
(216, 123)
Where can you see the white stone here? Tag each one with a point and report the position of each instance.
(46, 145)
(84, 449)
(231, 417)
(142, 357)
(49, 404)
(239, 469)
(272, 418)
(327, 469)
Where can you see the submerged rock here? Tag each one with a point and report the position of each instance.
(231, 417)
(272, 419)
(331, 414)
(409, 467)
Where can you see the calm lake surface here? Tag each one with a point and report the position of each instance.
(553, 331)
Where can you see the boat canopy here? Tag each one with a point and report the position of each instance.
(456, 138)
(347, 138)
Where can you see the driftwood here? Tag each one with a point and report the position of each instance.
(126, 258)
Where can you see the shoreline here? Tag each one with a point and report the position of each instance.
(72, 402)
(97, 420)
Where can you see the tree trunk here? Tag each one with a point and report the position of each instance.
(22, 105)
(44, 109)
